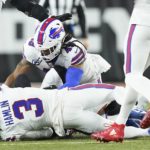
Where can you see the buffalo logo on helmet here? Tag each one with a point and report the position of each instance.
(56, 32)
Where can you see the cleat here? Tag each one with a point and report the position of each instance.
(145, 122)
(114, 133)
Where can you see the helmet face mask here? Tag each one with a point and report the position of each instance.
(48, 38)
(48, 51)
(52, 52)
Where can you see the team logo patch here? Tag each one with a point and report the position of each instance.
(55, 33)
(37, 61)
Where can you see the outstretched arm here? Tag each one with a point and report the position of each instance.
(22, 67)
(35, 10)
(30, 8)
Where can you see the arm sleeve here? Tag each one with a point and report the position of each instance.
(82, 18)
(31, 9)
(73, 77)
(40, 134)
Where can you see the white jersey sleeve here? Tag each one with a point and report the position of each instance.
(72, 55)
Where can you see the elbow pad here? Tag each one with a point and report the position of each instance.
(73, 77)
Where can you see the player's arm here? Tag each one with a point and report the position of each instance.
(30, 8)
(73, 76)
(22, 67)
(35, 10)
(75, 72)
(40, 134)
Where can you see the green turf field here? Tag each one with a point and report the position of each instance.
(77, 143)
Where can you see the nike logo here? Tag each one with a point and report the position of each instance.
(113, 132)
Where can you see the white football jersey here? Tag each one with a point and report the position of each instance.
(76, 54)
(22, 110)
(141, 13)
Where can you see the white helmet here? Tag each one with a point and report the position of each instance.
(48, 38)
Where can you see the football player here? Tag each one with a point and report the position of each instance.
(32, 112)
(136, 62)
(51, 47)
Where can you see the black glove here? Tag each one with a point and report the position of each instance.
(63, 17)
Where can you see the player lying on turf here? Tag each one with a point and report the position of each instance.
(25, 112)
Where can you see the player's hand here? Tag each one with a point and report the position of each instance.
(64, 17)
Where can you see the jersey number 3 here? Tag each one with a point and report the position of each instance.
(27, 105)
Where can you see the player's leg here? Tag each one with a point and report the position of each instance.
(136, 132)
(133, 122)
(139, 83)
(84, 120)
(136, 56)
